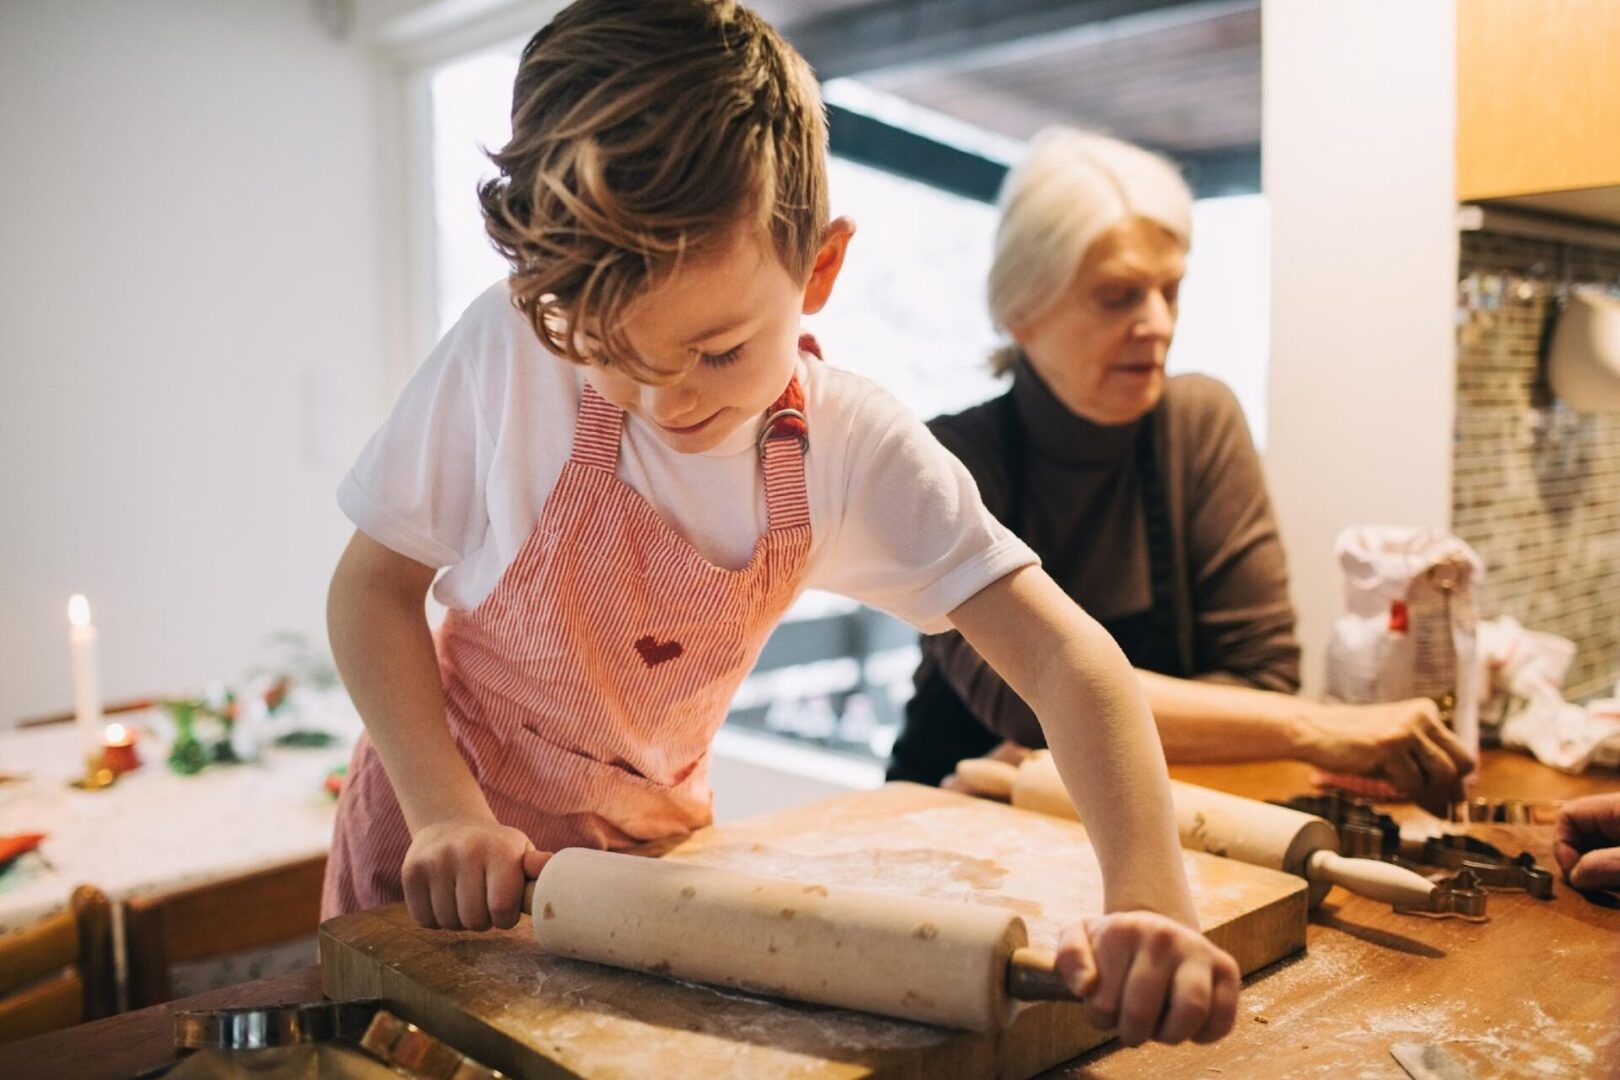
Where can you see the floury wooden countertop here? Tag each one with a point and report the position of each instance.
(1533, 992)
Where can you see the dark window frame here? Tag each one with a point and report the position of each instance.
(866, 140)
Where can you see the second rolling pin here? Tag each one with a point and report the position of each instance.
(1229, 825)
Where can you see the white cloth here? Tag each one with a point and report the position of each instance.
(1527, 668)
(458, 474)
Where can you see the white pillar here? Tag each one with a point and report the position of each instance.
(1359, 168)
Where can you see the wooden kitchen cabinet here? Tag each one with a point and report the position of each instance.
(1538, 96)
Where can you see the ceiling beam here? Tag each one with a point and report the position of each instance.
(881, 145)
(926, 37)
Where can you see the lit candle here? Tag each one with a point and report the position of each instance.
(86, 679)
(118, 750)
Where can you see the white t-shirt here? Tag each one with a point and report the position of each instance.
(458, 474)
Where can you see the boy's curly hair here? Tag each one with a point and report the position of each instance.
(645, 132)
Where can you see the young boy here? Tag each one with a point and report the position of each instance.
(628, 464)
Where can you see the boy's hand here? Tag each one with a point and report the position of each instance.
(1150, 977)
(469, 875)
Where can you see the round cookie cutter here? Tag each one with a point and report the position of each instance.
(260, 1027)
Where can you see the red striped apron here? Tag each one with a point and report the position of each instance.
(585, 690)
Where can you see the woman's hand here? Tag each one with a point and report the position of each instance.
(1009, 753)
(469, 875)
(1150, 977)
(1587, 846)
(1402, 742)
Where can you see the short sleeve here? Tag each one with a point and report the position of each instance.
(418, 486)
(914, 540)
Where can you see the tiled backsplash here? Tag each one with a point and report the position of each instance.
(1536, 488)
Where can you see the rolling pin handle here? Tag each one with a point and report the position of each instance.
(1032, 975)
(1370, 878)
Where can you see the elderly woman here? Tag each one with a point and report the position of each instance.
(1142, 494)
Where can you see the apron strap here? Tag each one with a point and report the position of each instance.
(1161, 560)
(597, 431)
(784, 439)
(787, 501)
(783, 442)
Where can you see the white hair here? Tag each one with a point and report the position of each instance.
(1072, 187)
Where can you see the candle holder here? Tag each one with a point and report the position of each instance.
(118, 752)
(97, 776)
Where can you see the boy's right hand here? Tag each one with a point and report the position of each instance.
(469, 875)
(1150, 977)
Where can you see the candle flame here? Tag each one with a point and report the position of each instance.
(79, 610)
(115, 733)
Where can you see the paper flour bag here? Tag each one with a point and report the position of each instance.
(1409, 626)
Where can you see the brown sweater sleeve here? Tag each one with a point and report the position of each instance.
(1243, 621)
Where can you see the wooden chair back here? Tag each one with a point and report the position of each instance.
(247, 912)
(58, 972)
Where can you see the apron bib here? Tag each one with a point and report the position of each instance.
(585, 690)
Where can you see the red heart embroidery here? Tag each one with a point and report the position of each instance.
(654, 652)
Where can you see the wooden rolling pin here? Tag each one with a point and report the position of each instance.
(1221, 824)
(959, 965)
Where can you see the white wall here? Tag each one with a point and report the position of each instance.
(190, 329)
(1359, 169)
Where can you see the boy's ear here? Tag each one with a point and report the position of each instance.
(829, 260)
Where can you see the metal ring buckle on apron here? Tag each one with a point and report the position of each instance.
(767, 432)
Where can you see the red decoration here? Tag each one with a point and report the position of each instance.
(1400, 620)
(15, 847)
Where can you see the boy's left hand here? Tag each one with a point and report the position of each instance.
(1151, 977)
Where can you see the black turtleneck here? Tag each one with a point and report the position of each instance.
(1085, 509)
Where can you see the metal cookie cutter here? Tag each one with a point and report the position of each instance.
(1364, 833)
(1507, 811)
(414, 1052)
(273, 1025)
(1490, 864)
(1458, 896)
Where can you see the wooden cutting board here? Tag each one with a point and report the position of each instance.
(496, 997)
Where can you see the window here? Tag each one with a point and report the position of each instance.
(1224, 326)
(471, 110)
(909, 311)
